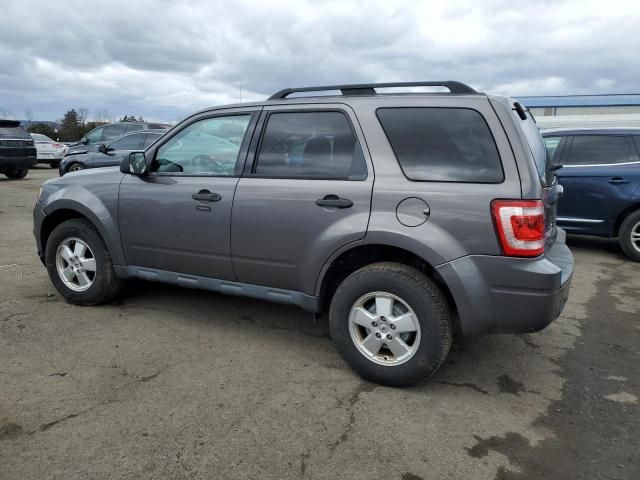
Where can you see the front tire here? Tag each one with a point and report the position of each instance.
(17, 174)
(391, 324)
(629, 235)
(75, 167)
(79, 264)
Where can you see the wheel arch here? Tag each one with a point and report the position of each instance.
(622, 215)
(67, 209)
(345, 262)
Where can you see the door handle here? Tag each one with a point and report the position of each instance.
(206, 196)
(334, 201)
(618, 180)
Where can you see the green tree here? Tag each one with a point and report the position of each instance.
(71, 129)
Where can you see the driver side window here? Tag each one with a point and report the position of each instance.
(206, 147)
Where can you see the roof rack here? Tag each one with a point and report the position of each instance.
(369, 88)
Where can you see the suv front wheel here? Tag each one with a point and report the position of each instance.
(391, 324)
(79, 264)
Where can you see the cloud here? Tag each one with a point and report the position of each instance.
(165, 59)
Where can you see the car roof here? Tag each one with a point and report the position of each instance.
(591, 131)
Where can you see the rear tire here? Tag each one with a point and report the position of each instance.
(629, 235)
(17, 174)
(86, 278)
(406, 294)
(75, 167)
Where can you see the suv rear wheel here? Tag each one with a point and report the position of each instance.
(17, 174)
(629, 235)
(79, 264)
(391, 324)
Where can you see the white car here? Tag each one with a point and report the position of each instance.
(49, 151)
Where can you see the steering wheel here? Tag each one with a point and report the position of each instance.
(208, 163)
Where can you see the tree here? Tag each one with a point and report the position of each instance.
(71, 129)
(82, 115)
(5, 113)
(129, 118)
(28, 116)
(102, 116)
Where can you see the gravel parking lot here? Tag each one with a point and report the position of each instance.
(176, 383)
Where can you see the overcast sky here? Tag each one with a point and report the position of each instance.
(164, 59)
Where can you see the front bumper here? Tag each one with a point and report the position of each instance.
(495, 294)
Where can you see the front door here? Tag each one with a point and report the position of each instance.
(177, 218)
(597, 181)
(307, 193)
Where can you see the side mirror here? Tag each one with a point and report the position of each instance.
(135, 164)
(84, 141)
(103, 148)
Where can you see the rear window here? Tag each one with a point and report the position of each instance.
(12, 129)
(442, 144)
(536, 145)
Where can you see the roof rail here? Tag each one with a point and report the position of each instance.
(369, 88)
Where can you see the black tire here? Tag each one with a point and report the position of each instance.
(106, 285)
(17, 174)
(75, 167)
(425, 299)
(630, 226)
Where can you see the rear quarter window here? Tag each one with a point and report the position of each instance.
(442, 144)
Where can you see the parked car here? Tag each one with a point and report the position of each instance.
(109, 154)
(105, 133)
(49, 151)
(456, 234)
(601, 178)
(17, 151)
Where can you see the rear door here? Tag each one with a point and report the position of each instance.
(598, 177)
(306, 193)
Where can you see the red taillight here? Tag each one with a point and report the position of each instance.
(520, 226)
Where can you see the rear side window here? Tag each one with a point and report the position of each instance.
(128, 142)
(313, 145)
(552, 146)
(536, 145)
(442, 144)
(600, 150)
(113, 131)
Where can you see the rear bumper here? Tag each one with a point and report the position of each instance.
(16, 163)
(509, 295)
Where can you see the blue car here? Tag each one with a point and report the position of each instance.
(108, 154)
(600, 174)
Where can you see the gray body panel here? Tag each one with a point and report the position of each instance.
(266, 237)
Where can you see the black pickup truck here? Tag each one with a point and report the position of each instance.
(17, 150)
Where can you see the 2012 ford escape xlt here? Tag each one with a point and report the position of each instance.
(407, 217)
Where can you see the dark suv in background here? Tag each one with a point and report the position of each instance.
(17, 150)
(601, 178)
(406, 217)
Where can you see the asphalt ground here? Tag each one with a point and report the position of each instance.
(175, 383)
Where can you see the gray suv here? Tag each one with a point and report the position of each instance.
(407, 217)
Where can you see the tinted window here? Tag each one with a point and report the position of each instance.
(310, 145)
(442, 144)
(133, 126)
(206, 147)
(600, 149)
(536, 145)
(152, 137)
(128, 142)
(12, 129)
(95, 136)
(113, 131)
(552, 146)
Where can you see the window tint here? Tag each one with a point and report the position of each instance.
(600, 149)
(95, 135)
(310, 145)
(552, 146)
(206, 147)
(113, 131)
(152, 137)
(12, 129)
(536, 145)
(442, 144)
(133, 126)
(128, 142)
